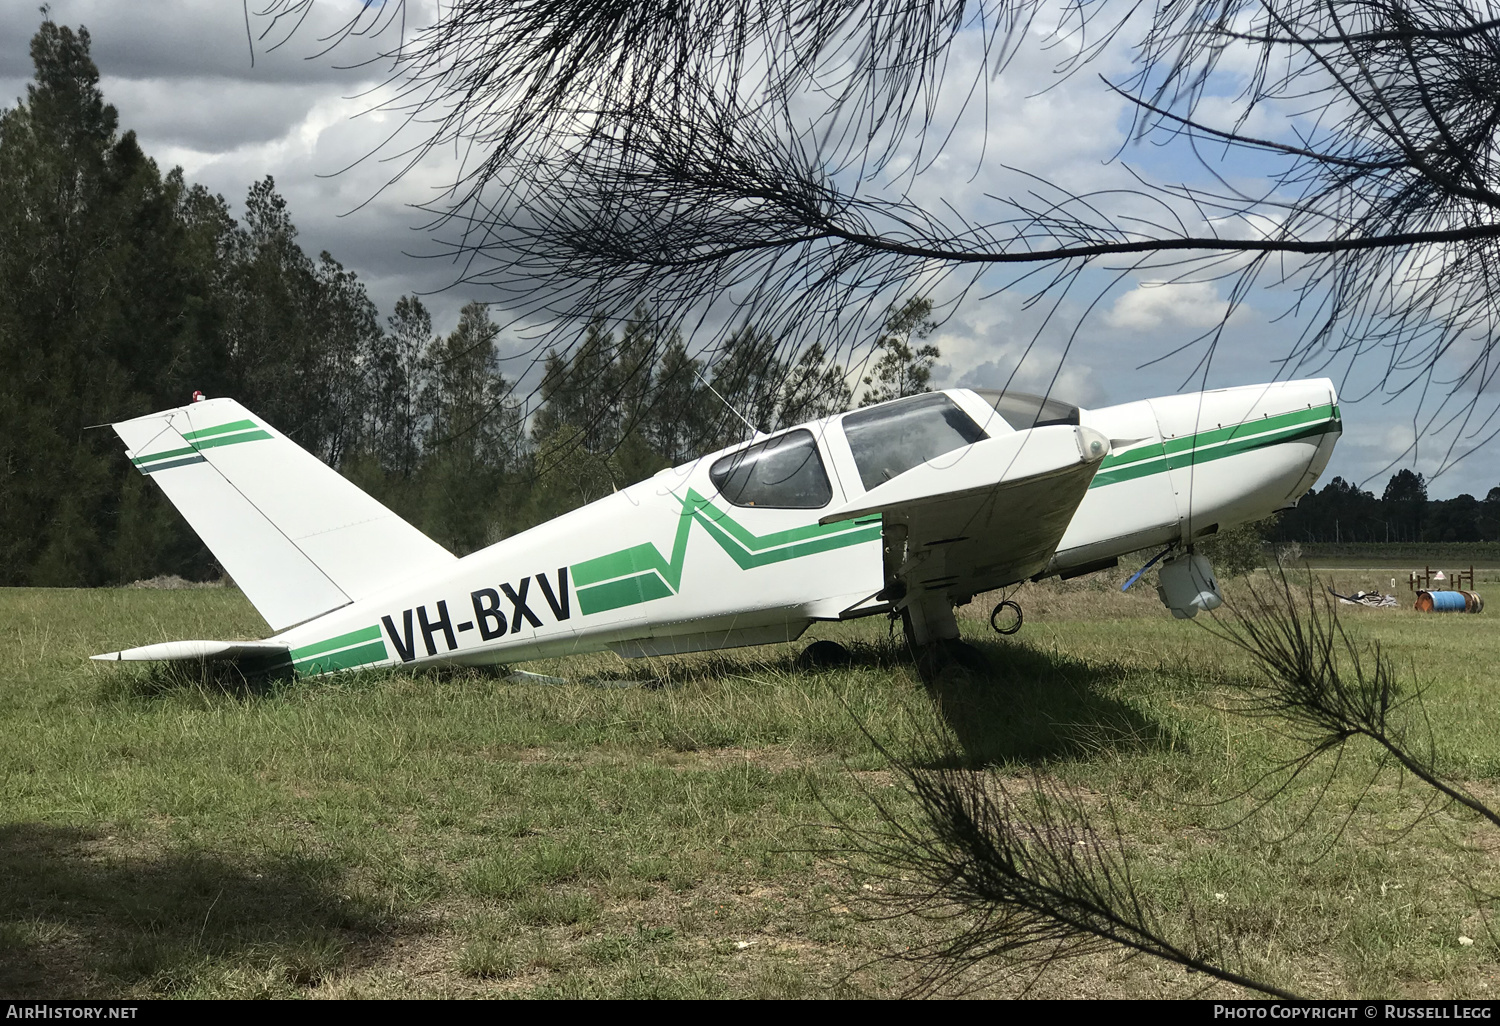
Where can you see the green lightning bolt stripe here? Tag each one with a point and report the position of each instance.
(641, 573)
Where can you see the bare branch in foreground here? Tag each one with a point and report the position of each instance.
(1327, 688)
(1025, 874)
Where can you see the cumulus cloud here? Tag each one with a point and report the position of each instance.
(1154, 305)
(210, 115)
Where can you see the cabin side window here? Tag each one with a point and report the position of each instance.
(891, 438)
(784, 472)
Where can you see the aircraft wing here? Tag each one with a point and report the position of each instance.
(985, 515)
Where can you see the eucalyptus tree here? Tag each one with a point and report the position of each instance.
(899, 369)
(396, 373)
(472, 435)
(101, 287)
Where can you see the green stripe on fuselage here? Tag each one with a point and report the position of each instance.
(1319, 415)
(618, 564)
(1217, 443)
(628, 591)
(348, 659)
(749, 560)
(709, 513)
(342, 641)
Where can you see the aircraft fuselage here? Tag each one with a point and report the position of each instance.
(669, 565)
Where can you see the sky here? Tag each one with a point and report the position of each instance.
(200, 94)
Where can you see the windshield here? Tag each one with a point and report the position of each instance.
(1022, 410)
(891, 438)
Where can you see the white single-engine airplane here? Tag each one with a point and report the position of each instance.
(908, 507)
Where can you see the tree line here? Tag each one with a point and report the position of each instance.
(123, 290)
(1344, 512)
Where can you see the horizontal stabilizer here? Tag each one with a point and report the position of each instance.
(195, 651)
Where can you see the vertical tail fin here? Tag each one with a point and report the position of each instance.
(296, 537)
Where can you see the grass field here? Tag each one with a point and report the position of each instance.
(660, 828)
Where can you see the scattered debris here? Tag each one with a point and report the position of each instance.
(1373, 599)
(1466, 941)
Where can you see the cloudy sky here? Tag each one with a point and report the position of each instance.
(181, 74)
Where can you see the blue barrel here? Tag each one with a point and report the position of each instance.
(1441, 601)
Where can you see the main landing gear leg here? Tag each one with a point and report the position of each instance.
(932, 636)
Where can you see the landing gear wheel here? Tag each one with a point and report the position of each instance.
(824, 655)
(999, 623)
(965, 655)
(940, 656)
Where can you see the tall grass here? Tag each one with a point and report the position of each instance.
(661, 827)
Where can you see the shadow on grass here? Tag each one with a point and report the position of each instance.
(1032, 705)
(79, 918)
(224, 679)
(218, 678)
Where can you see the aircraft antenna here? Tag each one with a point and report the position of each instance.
(753, 429)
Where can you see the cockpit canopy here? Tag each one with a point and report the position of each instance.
(784, 472)
(1023, 411)
(891, 438)
(787, 471)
